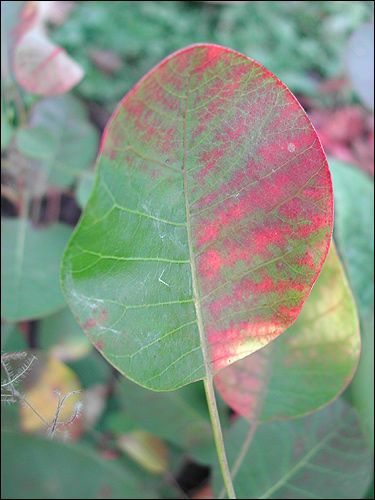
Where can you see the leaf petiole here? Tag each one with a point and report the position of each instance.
(218, 436)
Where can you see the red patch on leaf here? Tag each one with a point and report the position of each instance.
(241, 385)
(210, 263)
(89, 324)
(210, 231)
(231, 344)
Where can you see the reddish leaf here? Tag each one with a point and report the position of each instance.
(40, 66)
(347, 134)
(306, 367)
(209, 221)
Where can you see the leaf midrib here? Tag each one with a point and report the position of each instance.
(194, 280)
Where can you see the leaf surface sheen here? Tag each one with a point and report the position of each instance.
(208, 224)
(306, 367)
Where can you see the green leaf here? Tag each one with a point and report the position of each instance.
(92, 369)
(42, 468)
(37, 142)
(29, 269)
(362, 387)
(180, 417)
(209, 221)
(354, 235)
(323, 455)
(354, 230)
(60, 335)
(61, 137)
(306, 367)
(12, 339)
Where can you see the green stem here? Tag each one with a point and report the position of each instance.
(242, 454)
(218, 436)
(208, 381)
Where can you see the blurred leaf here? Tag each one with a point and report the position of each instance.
(153, 272)
(36, 142)
(94, 400)
(25, 168)
(360, 62)
(47, 382)
(323, 455)
(180, 417)
(9, 16)
(30, 260)
(146, 449)
(92, 369)
(12, 339)
(354, 235)
(119, 422)
(362, 387)
(346, 133)
(40, 66)
(309, 365)
(354, 229)
(61, 335)
(34, 467)
(61, 138)
(55, 11)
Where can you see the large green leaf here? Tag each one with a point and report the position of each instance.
(30, 269)
(209, 221)
(323, 455)
(33, 467)
(306, 367)
(60, 137)
(354, 235)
